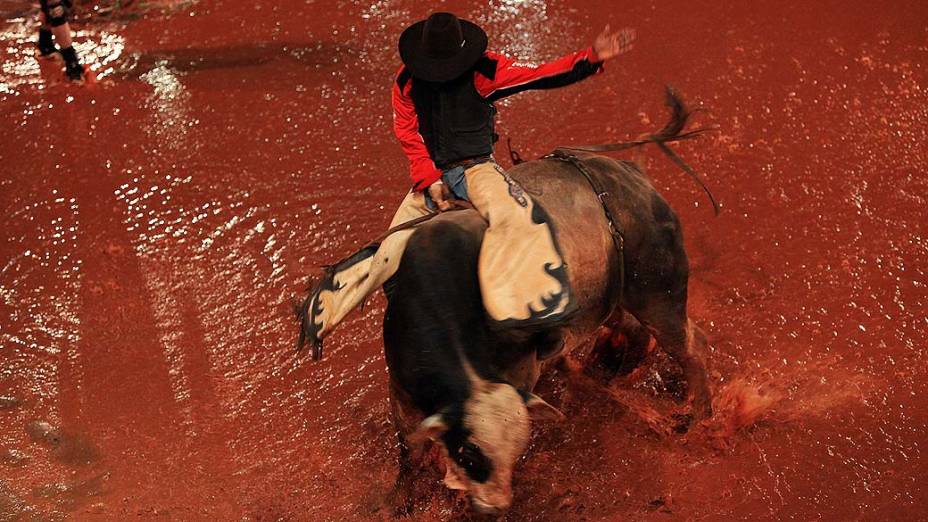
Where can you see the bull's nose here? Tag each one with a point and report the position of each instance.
(486, 509)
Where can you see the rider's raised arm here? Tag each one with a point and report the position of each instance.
(510, 77)
(422, 169)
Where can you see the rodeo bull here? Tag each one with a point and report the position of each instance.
(464, 381)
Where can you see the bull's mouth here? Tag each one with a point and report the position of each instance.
(486, 509)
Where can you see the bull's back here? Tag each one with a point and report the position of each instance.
(577, 217)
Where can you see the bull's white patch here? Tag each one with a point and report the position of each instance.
(499, 422)
(500, 426)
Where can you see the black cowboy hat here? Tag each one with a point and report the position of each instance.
(442, 48)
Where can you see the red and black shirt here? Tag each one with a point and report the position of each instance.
(439, 124)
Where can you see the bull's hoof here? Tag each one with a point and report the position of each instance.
(702, 410)
(682, 422)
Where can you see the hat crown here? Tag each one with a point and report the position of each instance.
(442, 36)
(442, 47)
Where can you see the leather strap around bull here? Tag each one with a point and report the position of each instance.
(618, 239)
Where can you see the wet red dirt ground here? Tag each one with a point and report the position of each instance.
(157, 225)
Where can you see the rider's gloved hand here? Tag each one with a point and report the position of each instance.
(440, 195)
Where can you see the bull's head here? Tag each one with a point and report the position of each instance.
(483, 439)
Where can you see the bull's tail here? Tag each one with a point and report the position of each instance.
(679, 116)
(673, 130)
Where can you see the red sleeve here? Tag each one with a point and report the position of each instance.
(406, 127)
(511, 76)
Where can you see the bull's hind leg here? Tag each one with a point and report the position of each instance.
(619, 348)
(676, 336)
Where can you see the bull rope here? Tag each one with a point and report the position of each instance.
(618, 239)
(456, 204)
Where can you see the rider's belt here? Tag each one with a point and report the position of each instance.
(468, 163)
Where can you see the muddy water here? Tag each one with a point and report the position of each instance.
(157, 224)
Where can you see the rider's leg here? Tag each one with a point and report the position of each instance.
(523, 278)
(348, 284)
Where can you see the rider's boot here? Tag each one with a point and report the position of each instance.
(345, 285)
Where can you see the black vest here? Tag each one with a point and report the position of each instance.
(454, 120)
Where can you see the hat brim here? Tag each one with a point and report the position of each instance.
(431, 69)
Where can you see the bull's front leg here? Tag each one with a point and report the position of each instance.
(400, 497)
(412, 461)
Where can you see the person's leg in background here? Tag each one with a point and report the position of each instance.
(55, 16)
(45, 44)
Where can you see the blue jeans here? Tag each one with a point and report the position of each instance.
(456, 183)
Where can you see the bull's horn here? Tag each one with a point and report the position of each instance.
(430, 428)
(539, 410)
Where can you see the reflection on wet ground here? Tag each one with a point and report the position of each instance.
(22, 68)
(156, 226)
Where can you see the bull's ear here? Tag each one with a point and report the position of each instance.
(430, 428)
(539, 410)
